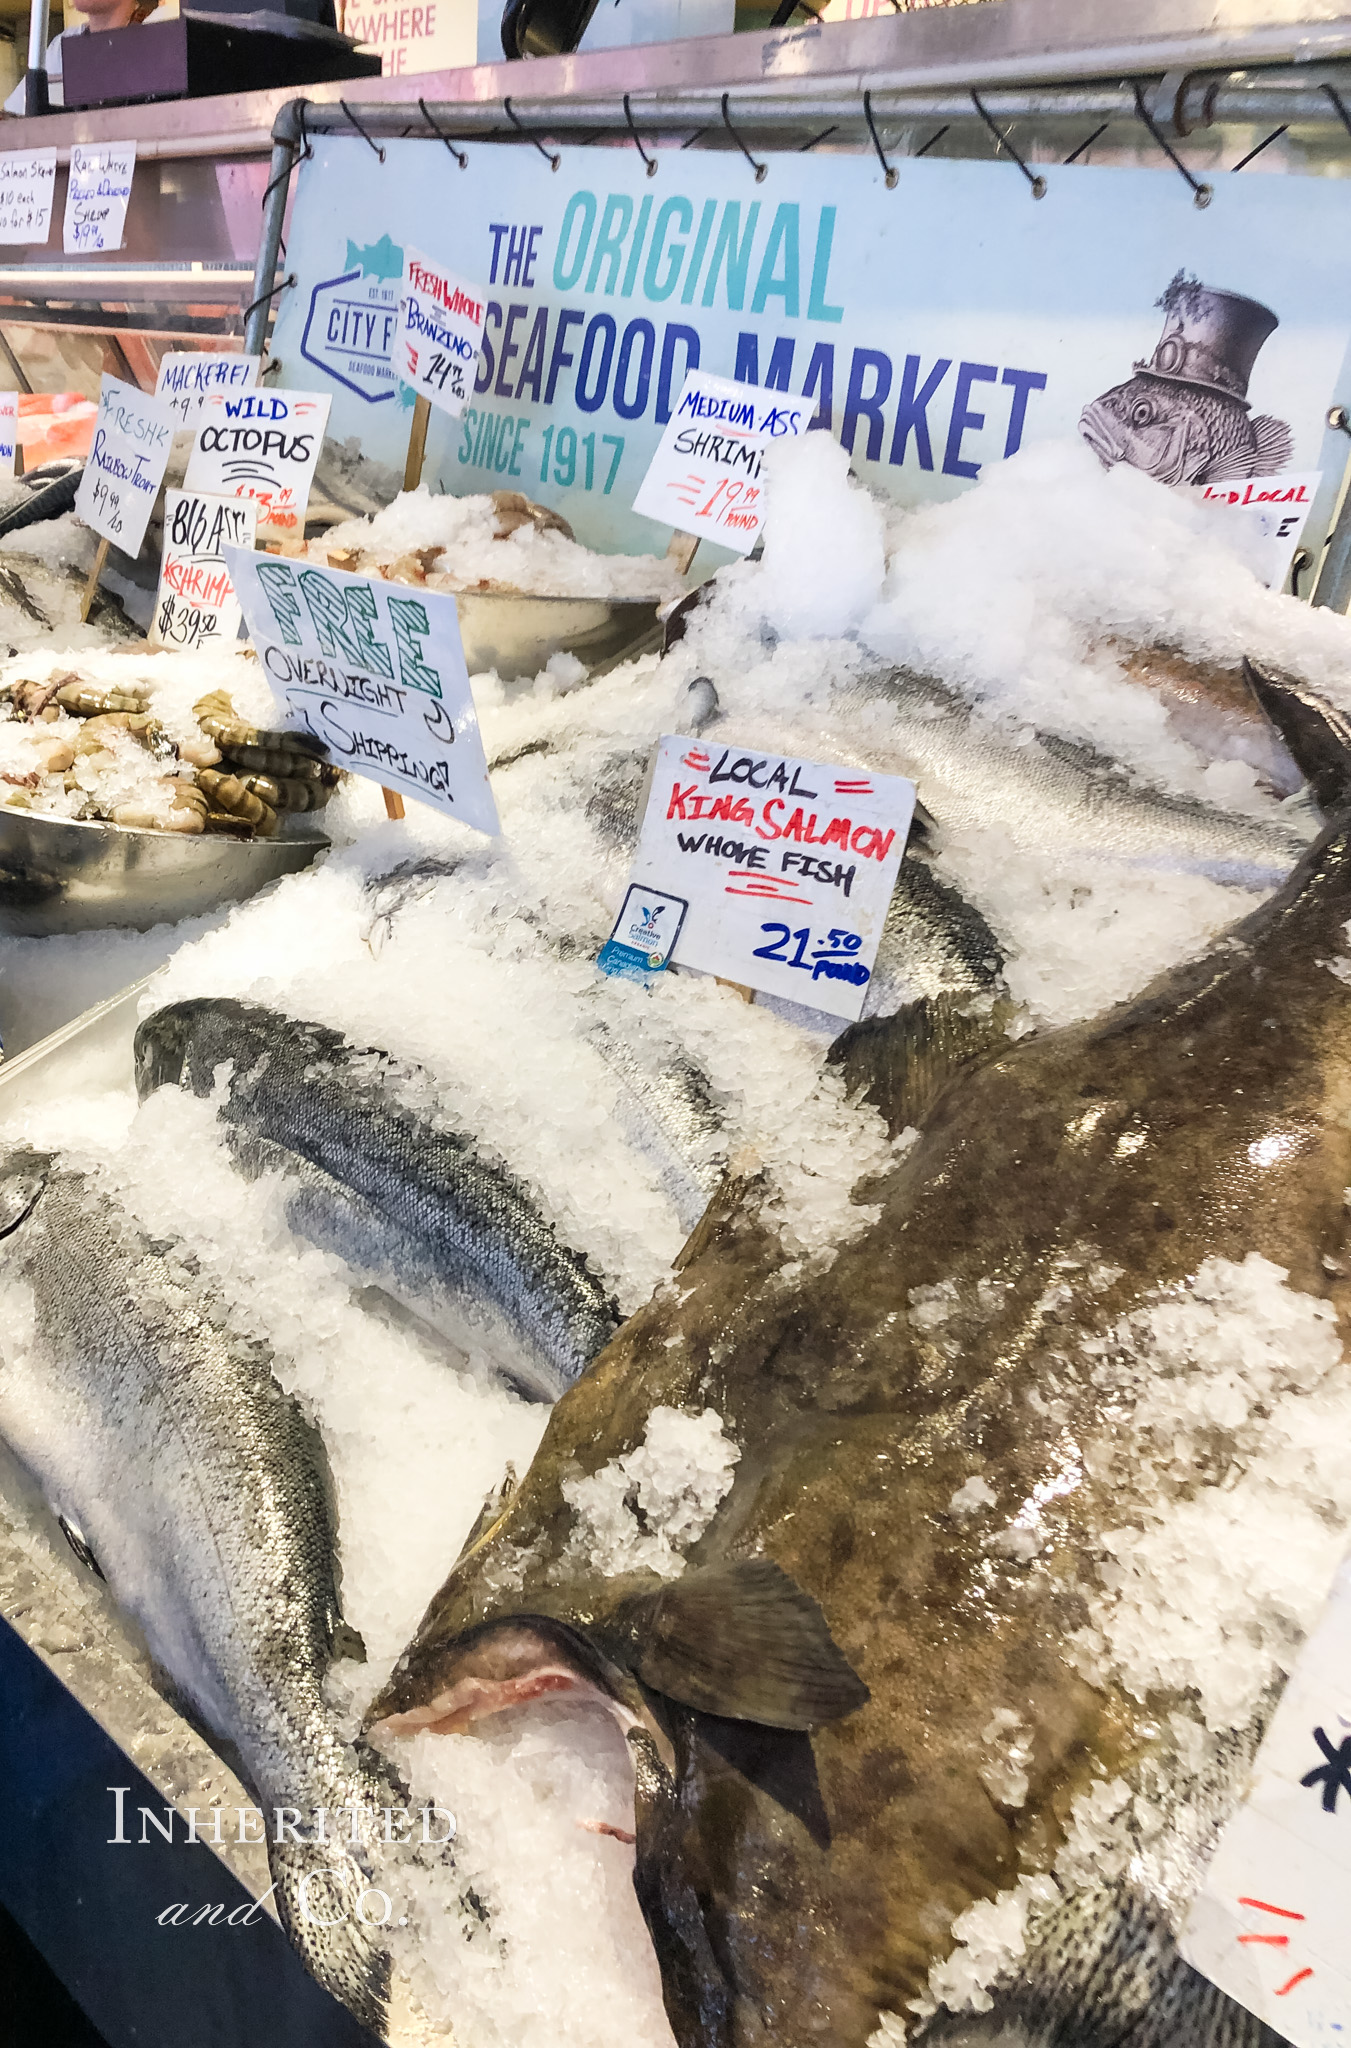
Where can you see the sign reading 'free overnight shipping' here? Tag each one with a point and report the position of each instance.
(768, 871)
(375, 671)
(932, 329)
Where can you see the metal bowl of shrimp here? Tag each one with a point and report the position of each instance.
(516, 634)
(78, 874)
(231, 832)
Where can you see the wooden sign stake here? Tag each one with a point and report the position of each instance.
(417, 443)
(681, 551)
(100, 557)
(412, 478)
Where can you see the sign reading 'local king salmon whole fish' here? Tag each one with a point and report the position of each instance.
(374, 671)
(768, 871)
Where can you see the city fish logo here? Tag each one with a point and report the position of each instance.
(349, 330)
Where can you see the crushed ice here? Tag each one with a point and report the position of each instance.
(641, 1511)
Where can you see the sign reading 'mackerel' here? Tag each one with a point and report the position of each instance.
(376, 673)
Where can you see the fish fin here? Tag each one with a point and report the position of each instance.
(347, 1956)
(744, 1641)
(495, 1504)
(902, 1063)
(347, 1641)
(923, 826)
(23, 1176)
(1316, 734)
(1275, 445)
(79, 1544)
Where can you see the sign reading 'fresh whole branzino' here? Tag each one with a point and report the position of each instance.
(933, 329)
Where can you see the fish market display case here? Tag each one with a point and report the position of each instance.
(89, 1735)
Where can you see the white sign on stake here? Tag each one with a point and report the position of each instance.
(440, 328)
(196, 601)
(263, 445)
(9, 430)
(133, 434)
(1274, 510)
(768, 871)
(705, 475)
(1269, 1925)
(27, 187)
(187, 376)
(374, 670)
(97, 196)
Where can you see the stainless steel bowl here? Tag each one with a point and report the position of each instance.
(69, 875)
(515, 634)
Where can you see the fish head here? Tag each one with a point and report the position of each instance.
(721, 1673)
(23, 1176)
(161, 1049)
(1176, 433)
(183, 1044)
(727, 1806)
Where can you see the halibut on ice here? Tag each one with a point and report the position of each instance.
(845, 1629)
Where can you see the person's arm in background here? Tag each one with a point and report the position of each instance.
(98, 14)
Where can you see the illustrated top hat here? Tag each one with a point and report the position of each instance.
(1210, 338)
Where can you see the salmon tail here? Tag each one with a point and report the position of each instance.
(338, 1896)
(333, 1914)
(1316, 734)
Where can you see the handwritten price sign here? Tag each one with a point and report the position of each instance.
(27, 183)
(261, 445)
(440, 328)
(188, 376)
(97, 197)
(132, 438)
(772, 872)
(196, 603)
(705, 475)
(1269, 1925)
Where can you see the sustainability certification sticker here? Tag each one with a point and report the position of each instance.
(645, 933)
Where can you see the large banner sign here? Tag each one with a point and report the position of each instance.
(933, 328)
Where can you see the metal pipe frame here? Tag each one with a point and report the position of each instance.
(1191, 103)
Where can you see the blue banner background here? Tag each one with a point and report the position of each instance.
(935, 327)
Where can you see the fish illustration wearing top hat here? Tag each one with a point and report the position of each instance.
(1184, 416)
